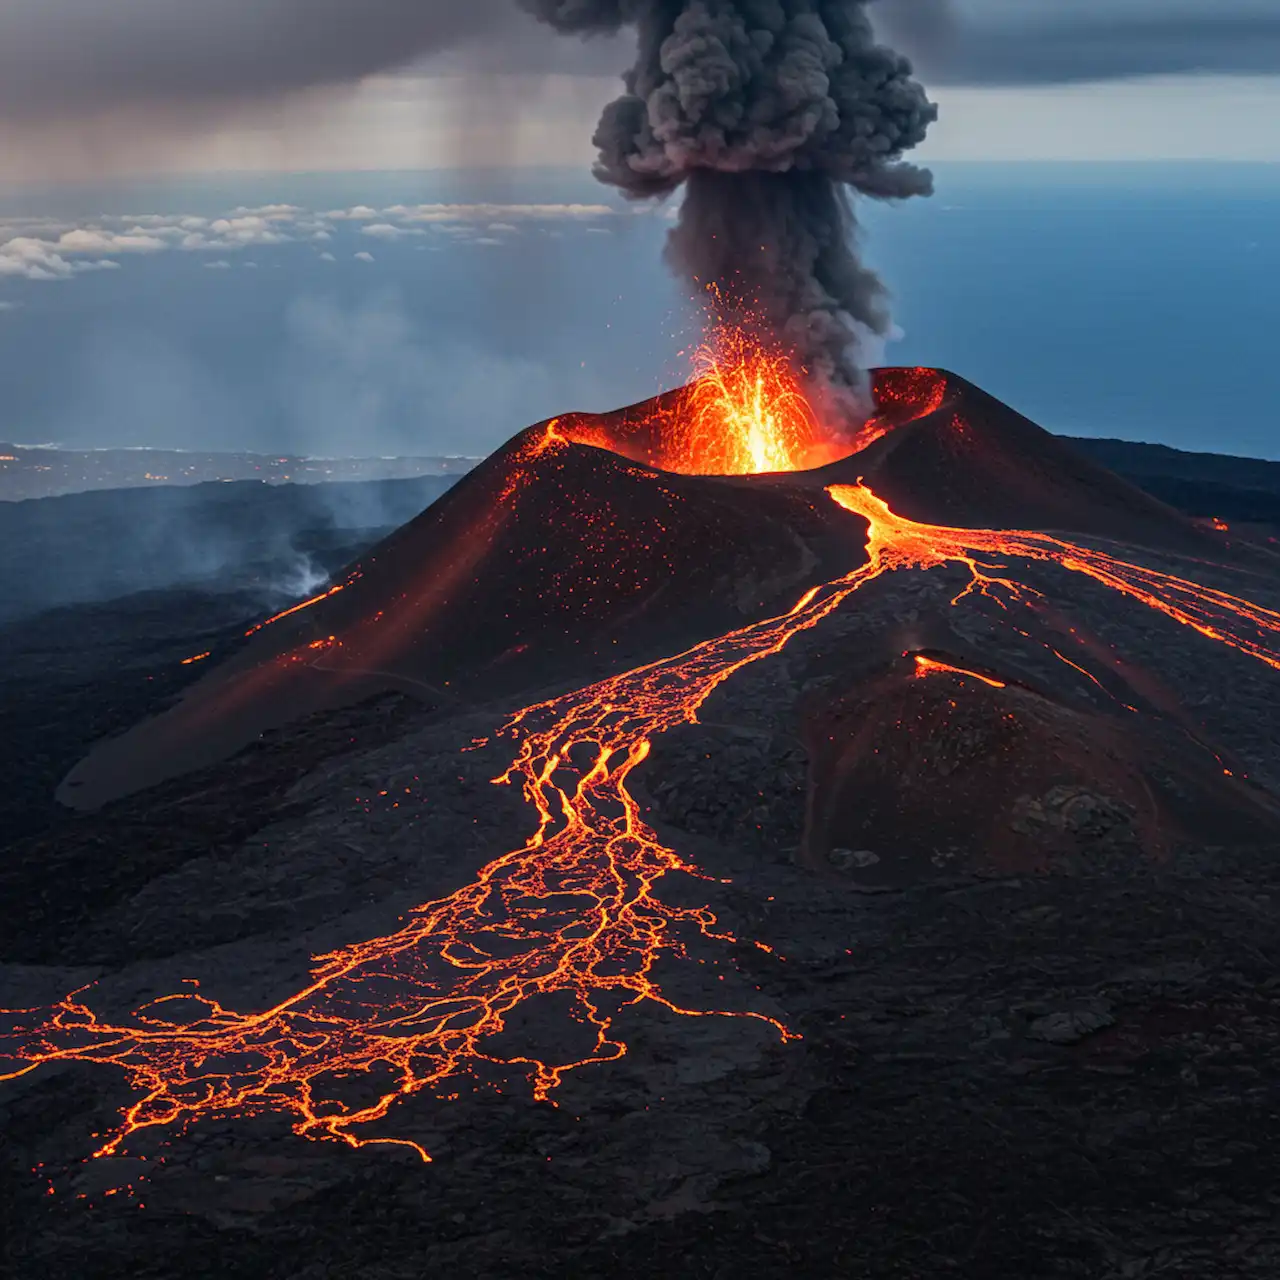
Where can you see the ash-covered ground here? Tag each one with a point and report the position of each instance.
(1057, 1063)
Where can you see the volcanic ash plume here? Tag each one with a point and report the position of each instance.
(768, 111)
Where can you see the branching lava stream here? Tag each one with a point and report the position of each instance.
(573, 911)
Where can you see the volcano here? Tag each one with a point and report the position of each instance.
(948, 653)
(585, 545)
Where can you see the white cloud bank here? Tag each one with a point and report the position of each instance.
(45, 249)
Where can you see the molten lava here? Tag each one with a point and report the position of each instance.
(747, 414)
(898, 543)
(305, 604)
(573, 911)
(744, 413)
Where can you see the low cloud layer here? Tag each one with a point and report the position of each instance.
(47, 249)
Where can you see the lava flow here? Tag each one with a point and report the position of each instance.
(926, 666)
(899, 543)
(573, 911)
(305, 604)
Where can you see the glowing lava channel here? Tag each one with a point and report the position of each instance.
(305, 604)
(572, 912)
(899, 543)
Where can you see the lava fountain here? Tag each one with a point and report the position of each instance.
(575, 909)
(745, 412)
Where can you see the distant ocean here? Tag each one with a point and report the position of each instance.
(1137, 301)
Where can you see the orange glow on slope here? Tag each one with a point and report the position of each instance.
(744, 413)
(930, 666)
(914, 393)
(572, 912)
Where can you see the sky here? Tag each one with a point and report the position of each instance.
(416, 121)
(133, 86)
(176, 269)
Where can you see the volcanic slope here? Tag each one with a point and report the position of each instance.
(817, 813)
(590, 543)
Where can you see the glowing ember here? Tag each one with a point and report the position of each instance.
(573, 911)
(914, 393)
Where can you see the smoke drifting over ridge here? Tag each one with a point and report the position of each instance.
(768, 111)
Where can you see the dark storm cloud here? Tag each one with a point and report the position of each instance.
(65, 58)
(69, 58)
(994, 42)
(767, 111)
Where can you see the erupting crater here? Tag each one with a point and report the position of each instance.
(586, 542)
(662, 557)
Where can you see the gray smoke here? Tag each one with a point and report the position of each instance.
(770, 112)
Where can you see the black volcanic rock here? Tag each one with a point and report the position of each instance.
(944, 774)
(534, 569)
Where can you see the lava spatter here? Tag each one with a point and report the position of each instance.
(748, 415)
(575, 910)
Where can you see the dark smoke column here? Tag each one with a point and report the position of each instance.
(769, 111)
